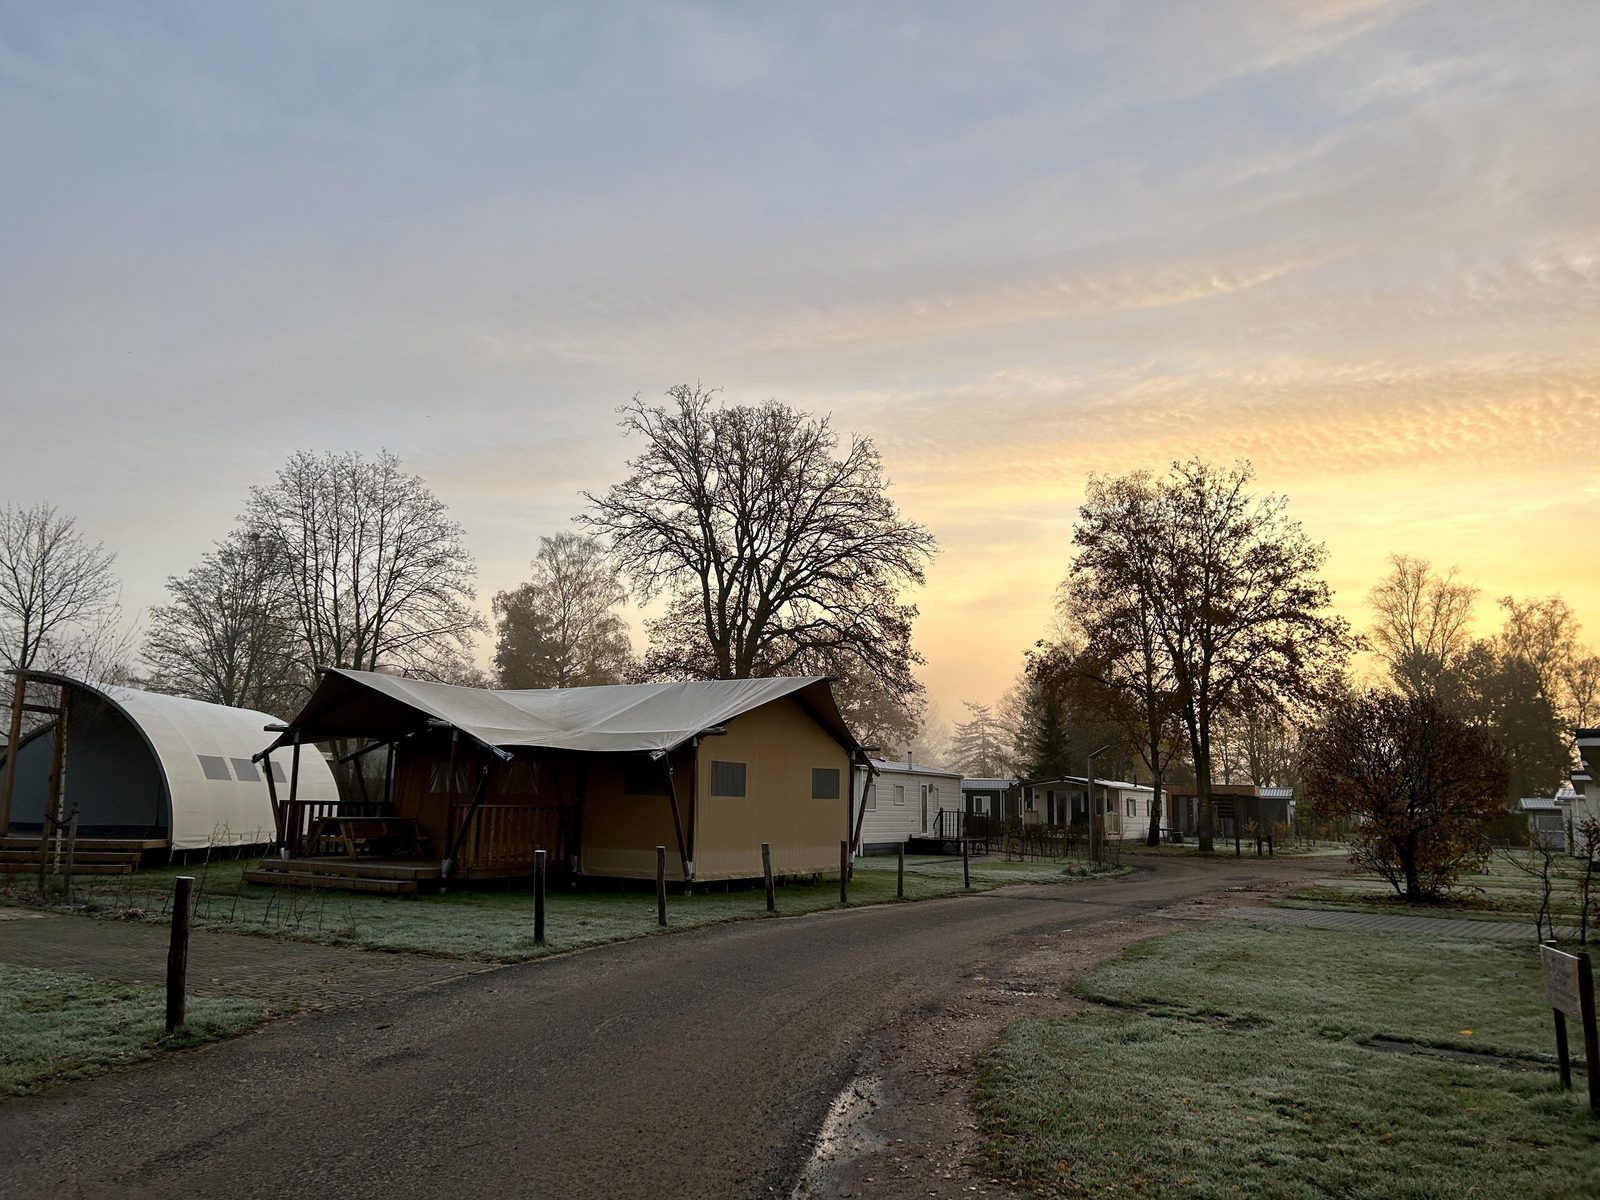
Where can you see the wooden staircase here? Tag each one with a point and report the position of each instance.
(334, 874)
(91, 856)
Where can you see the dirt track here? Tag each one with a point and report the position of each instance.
(702, 1064)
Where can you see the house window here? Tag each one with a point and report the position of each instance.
(727, 778)
(213, 767)
(871, 801)
(245, 771)
(824, 783)
(1132, 805)
(642, 777)
(899, 793)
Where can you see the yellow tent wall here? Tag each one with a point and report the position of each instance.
(779, 744)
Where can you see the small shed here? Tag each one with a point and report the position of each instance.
(1237, 805)
(153, 770)
(903, 800)
(1547, 827)
(984, 796)
(473, 781)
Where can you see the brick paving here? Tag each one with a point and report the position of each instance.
(281, 973)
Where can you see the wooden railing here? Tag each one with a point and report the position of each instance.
(503, 836)
(299, 817)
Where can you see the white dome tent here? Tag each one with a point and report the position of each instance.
(162, 769)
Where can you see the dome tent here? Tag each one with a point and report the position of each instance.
(147, 765)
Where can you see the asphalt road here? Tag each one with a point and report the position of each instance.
(700, 1064)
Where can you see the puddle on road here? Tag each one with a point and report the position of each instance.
(844, 1134)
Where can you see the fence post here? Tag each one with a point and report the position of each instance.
(766, 871)
(661, 886)
(178, 951)
(900, 874)
(844, 872)
(71, 853)
(538, 897)
(966, 864)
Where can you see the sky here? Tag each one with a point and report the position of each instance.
(1357, 244)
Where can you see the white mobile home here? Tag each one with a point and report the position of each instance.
(1065, 801)
(903, 800)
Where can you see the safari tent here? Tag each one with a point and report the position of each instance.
(146, 770)
(467, 783)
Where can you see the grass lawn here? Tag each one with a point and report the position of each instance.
(55, 1025)
(1191, 849)
(1501, 887)
(1228, 1061)
(497, 925)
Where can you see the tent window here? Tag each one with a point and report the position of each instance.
(213, 767)
(872, 796)
(824, 783)
(245, 771)
(727, 778)
(642, 777)
(277, 773)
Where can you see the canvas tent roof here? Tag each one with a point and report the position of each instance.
(217, 796)
(619, 718)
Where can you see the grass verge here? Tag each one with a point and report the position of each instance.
(1229, 1061)
(1501, 887)
(57, 1025)
(496, 925)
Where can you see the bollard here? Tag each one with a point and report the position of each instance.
(178, 951)
(766, 870)
(538, 897)
(966, 864)
(900, 874)
(661, 886)
(844, 872)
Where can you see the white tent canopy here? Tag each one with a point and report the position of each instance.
(167, 763)
(621, 718)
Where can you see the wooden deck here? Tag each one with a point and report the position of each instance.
(390, 877)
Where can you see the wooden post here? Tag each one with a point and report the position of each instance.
(766, 871)
(272, 796)
(900, 873)
(388, 779)
(661, 886)
(538, 897)
(1591, 1032)
(18, 694)
(178, 951)
(1562, 1056)
(966, 864)
(844, 872)
(52, 805)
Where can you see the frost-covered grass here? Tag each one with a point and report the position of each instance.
(496, 925)
(1229, 1061)
(1501, 887)
(57, 1025)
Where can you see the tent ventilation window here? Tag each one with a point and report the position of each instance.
(245, 771)
(214, 767)
(824, 783)
(727, 778)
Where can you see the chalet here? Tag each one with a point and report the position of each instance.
(467, 783)
(991, 797)
(903, 800)
(1581, 802)
(1546, 828)
(1234, 802)
(143, 772)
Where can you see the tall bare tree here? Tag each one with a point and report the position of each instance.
(778, 550)
(376, 570)
(1543, 634)
(1233, 588)
(561, 628)
(228, 634)
(1583, 691)
(58, 595)
(1422, 622)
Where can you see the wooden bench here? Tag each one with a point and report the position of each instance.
(350, 830)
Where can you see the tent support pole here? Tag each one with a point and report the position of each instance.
(472, 809)
(292, 816)
(272, 794)
(19, 692)
(388, 779)
(52, 804)
(677, 825)
(861, 811)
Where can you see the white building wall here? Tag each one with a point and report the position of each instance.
(895, 812)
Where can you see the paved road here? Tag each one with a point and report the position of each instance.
(694, 1065)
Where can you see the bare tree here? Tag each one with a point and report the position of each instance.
(376, 570)
(560, 629)
(1421, 622)
(1543, 634)
(1232, 587)
(228, 634)
(58, 596)
(1582, 689)
(778, 551)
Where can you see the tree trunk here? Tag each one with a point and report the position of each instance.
(1207, 830)
(1153, 838)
